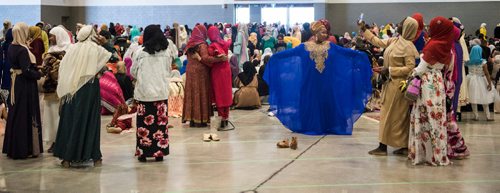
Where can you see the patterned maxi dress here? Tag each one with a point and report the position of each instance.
(428, 136)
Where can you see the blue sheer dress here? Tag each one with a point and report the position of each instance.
(313, 103)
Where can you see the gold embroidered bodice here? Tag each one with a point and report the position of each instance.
(318, 53)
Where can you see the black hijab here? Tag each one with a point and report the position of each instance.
(154, 39)
(112, 29)
(246, 77)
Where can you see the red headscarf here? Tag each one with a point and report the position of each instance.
(214, 37)
(326, 23)
(420, 20)
(214, 34)
(438, 49)
(198, 36)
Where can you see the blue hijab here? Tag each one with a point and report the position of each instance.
(476, 56)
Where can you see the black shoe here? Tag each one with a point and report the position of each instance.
(223, 123)
(51, 149)
(142, 159)
(159, 159)
(191, 124)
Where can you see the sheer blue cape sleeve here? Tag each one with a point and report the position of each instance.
(313, 103)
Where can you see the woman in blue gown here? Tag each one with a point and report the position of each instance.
(319, 88)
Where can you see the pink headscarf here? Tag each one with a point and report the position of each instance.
(128, 65)
(198, 36)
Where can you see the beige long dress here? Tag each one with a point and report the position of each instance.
(399, 57)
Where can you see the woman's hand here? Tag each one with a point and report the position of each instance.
(489, 86)
(100, 40)
(222, 57)
(362, 26)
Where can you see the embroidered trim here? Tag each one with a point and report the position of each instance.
(318, 53)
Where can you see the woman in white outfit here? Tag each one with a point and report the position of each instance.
(60, 42)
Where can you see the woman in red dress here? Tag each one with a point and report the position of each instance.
(197, 98)
(220, 75)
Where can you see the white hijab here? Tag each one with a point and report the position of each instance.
(183, 36)
(267, 52)
(62, 39)
(81, 63)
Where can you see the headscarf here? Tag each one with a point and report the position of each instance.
(347, 36)
(104, 27)
(9, 26)
(420, 19)
(253, 38)
(403, 46)
(483, 25)
(35, 32)
(267, 52)
(111, 29)
(476, 56)
(21, 34)
(243, 27)
(198, 36)
(438, 49)
(128, 65)
(81, 63)
(62, 39)
(214, 34)
(317, 26)
(326, 23)
(248, 73)
(154, 40)
(134, 32)
(462, 39)
(183, 35)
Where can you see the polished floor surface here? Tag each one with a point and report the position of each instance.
(247, 159)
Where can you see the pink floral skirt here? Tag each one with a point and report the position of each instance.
(152, 131)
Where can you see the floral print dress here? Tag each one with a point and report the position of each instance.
(428, 125)
(152, 131)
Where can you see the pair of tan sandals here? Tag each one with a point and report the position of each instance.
(286, 143)
(210, 137)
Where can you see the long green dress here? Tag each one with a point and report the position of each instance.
(80, 122)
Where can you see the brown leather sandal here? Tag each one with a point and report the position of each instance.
(283, 144)
(294, 143)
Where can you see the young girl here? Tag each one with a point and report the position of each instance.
(480, 84)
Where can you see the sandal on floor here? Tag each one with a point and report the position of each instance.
(159, 159)
(207, 138)
(283, 144)
(294, 143)
(214, 137)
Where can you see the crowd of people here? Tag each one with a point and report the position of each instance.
(56, 84)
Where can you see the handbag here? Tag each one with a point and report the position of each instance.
(413, 88)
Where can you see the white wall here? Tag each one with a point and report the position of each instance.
(19, 2)
(163, 2)
(201, 2)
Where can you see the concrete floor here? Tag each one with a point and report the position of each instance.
(247, 159)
